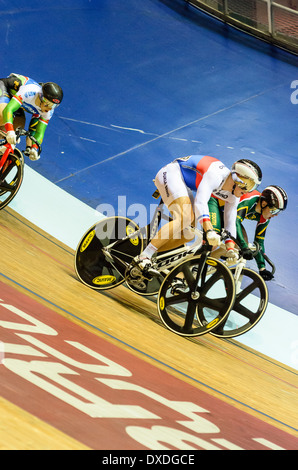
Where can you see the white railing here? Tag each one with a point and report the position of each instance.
(273, 21)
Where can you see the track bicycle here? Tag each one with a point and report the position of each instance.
(103, 261)
(12, 167)
(106, 250)
(251, 298)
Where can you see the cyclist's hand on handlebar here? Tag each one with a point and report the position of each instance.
(11, 137)
(247, 253)
(232, 255)
(33, 154)
(213, 238)
(266, 275)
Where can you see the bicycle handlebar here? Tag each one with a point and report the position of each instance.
(22, 132)
(270, 263)
(225, 234)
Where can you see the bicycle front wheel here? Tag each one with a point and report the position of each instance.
(11, 177)
(249, 306)
(93, 267)
(213, 291)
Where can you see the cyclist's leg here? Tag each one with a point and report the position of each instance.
(19, 118)
(175, 233)
(178, 198)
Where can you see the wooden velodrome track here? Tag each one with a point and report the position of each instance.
(41, 267)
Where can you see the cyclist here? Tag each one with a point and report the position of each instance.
(204, 175)
(260, 207)
(19, 94)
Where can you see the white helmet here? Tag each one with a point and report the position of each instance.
(246, 174)
(275, 197)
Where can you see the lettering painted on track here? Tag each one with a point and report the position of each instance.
(107, 398)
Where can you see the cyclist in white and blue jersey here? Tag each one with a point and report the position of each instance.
(19, 94)
(205, 176)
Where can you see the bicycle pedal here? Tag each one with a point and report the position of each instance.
(135, 272)
(137, 283)
(146, 271)
(178, 286)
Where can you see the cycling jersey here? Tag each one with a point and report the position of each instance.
(205, 175)
(247, 210)
(21, 92)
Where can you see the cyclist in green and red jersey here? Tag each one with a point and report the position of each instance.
(260, 207)
(19, 94)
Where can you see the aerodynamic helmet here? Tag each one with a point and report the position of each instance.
(246, 174)
(52, 94)
(275, 197)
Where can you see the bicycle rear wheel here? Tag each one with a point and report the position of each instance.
(11, 177)
(249, 306)
(93, 267)
(216, 293)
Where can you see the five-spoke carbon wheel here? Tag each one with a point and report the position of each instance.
(212, 292)
(250, 305)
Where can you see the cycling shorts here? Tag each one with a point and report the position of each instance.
(171, 185)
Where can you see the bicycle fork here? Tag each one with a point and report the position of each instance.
(195, 291)
(3, 159)
(237, 275)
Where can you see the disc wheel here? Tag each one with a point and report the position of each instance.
(11, 177)
(250, 305)
(96, 269)
(181, 312)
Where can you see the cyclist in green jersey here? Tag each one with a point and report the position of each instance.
(260, 207)
(19, 94)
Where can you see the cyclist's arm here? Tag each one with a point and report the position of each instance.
(230, 213)
(260, 239)
(204, 191)
(39, 131)
(8, 113)
(241, 214)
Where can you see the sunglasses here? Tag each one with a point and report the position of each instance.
(274, 210)
(48, 103)
(246, 185)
